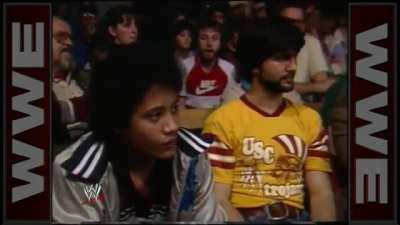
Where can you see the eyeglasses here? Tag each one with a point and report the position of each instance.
(62, 37)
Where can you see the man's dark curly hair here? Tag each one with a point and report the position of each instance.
(267, 39)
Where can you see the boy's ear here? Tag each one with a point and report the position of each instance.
(111, 31)
(255, 72)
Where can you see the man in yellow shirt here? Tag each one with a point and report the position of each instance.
(267, 150)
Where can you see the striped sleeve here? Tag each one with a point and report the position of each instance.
(319, 148)
(191, 143)
(221, 156)
(220, 153)
(222, 161)
(318, 154)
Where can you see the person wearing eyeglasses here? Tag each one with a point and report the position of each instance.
(68, 102)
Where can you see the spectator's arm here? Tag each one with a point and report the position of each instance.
(222, 193)
(319, 77)
(317, 62)
(304, 88)
(321, 196)
(73, 110)
(320, 86)
(317, 67)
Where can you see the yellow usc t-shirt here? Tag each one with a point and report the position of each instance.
(264, 156)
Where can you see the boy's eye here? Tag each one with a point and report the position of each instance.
(154, 116)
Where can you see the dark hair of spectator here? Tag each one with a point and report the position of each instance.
(175, 12)
(284, 4)
(336, 9)
(267, 39)
(218, 7)
(113, 17)
(230, 29)
(210, 24)
(119, 84)
(180, 26)
(88, 7)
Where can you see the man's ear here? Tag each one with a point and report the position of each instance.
(111, 31)
(255, 72)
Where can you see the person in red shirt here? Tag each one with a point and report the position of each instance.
(208, 80)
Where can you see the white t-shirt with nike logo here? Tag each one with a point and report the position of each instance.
(208, 90)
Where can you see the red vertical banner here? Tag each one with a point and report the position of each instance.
(27, 111)
(372, 51)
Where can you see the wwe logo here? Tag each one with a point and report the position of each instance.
(92, 191)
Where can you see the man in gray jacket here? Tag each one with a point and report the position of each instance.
(135, 165)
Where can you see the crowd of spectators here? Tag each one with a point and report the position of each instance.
(202, 38)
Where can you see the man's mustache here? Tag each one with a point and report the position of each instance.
(68, 50)
(289, 75)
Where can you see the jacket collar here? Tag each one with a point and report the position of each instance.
(88, 162)
(191, 143)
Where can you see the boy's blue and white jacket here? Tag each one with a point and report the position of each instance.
(78, 169)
